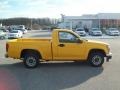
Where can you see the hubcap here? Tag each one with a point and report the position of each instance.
(31, 61)
(96, 60)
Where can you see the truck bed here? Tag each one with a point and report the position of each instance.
(42, 45)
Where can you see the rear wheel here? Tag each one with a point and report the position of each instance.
(31, 60)
(96, 59)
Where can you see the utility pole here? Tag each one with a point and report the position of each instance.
(99, 22)
(117, 23)
(31, 24)
(1, 23)
(71, 24)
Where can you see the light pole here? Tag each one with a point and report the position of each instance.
(31, 24)
(1, 23)
(99, 22)
(117, 23)
(71, 24)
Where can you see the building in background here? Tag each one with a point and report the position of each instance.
(101, 20)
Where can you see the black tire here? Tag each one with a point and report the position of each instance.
(31, 60)
(96, 59)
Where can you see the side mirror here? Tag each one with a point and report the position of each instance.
(79, 41)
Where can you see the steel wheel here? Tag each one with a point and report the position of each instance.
(96, 59)
(31, 61)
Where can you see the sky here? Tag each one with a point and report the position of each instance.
(54, 8)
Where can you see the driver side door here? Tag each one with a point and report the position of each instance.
(68, 47)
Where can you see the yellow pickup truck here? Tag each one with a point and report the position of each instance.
(65, 45)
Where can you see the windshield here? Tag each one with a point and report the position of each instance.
(95, 29)
(13, 31)
(79, 30)
(19, 29)
(113, 29)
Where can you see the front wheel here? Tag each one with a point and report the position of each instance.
(96, 59)
(31, 61)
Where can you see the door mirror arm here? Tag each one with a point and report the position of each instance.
(79, 41)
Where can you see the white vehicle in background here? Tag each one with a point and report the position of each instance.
(24, 31)
(80, 31)
(15, 34)
(19, 27)
(95, 32)
(2, 35)
(113, 32)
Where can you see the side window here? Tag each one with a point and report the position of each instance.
(66, 37)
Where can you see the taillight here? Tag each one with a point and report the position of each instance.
(7, 46)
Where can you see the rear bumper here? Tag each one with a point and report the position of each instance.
(109, 56)
(7, 56)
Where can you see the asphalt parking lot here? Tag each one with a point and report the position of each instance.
(64, 75)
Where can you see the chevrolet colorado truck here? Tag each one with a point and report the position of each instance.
(65, 45)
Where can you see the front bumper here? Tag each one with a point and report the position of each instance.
(115, 34)
(108, 56)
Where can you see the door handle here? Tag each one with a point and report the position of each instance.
(61, 45)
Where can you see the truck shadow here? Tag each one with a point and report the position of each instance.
(47, 76)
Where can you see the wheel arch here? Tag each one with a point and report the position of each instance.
(96, 51)
(30, 51)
